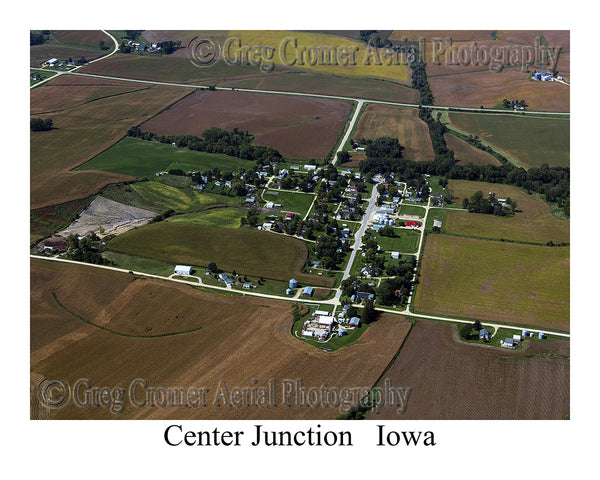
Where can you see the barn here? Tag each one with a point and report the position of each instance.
(307, 292)
(183, 270)
(354, 321)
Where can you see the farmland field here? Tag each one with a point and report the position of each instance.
(158, 196)
(241, 341)
(272, 256)
(299, 127)
(401, 123)
(532, 222)
(215, 217)
(96, 117)
(533, 141)
(140, 158)
(455, 381)
(495, 281)
(466, 153)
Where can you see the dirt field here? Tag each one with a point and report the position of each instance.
(300, 128)
(466, 153)
(532, 222)
(464, 83)
(89, 115)
(495, 281)
(454, 381)
(401, 123)
(110, 216)
(241, 342)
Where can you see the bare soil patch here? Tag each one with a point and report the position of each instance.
(104, 217)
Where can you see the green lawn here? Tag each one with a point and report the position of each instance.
(405, 241)
(290, 202)
(249, 252)
(412, 210)
(140, 158)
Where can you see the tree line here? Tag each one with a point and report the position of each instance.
(234, 143)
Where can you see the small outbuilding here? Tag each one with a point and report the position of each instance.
(293, 283)
(484, 334)
(354, 321)
(307, 292)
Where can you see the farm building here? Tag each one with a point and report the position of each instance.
(541, 335)
(516, 338)
(484, 334)
(183, 270)
(293, 283)
(396, 255)
(225, 278)
(437, 223)
(525, 333)
(507, 343)
(307, 292)
(413, 224)
(354, 321)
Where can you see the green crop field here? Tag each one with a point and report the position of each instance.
(532, 222)
(249, 252)
(158, 196)
(140, 158)
(405, 241)
(216, 217)
(532, 140)
(495, 281)
(290, 202)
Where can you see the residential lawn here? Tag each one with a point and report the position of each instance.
(290, 202)
(142, 159)
(412, 210)
(404, 241)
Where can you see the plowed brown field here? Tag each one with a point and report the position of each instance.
(299, 127)
(240, 341)
(451, 380)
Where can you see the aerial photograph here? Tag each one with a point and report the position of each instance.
(300, 225)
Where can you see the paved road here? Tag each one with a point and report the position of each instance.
(358, 238)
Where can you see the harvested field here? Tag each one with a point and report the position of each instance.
(299, 127)
(495, 281)
(397, 122)
(466, 153)
(454, 381)
(241, 342)
(87, 38)
(273, 256)
(106, 217)
(533, 141)
(91, 122)
(532, 222)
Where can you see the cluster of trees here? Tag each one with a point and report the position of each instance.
(37, 38)
(215, 140)
(85, 250)
(391, 290)
(330, 250)
(384, 155)
(40, 124)
(467, 330)
(477, 203)
(506, 103)
(169, 46)
(102, 45)
(162, 216)
(420, 82)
